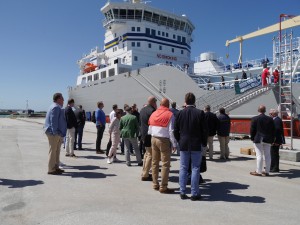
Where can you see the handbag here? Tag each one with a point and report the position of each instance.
(203, 166)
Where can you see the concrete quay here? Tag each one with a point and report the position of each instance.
(94, 192)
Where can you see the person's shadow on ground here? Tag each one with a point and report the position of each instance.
(19, 183)
(289, 174)
(223, 192)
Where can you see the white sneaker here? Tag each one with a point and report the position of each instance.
(109, 161)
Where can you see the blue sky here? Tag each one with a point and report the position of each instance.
(41, 40)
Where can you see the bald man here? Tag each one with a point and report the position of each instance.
(161, 126)
(262, 133)
(146, 138)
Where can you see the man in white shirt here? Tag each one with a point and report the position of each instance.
(161, 126)
(113, 113)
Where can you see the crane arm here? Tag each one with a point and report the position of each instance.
(293, 22)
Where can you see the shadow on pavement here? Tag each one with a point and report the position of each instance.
(88, 167)
(289, 174)
(91, 157)
(223, 192)
(89, 175)
(19, 183)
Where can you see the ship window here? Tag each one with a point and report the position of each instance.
(96, 76)
(163, 20)
(158, 32)
(111, 72)
(149, 45)
(138, 44)
(138, 29)
(155, 18)
(122, 13)
(90, 78)
(103, 74)
(132, 28)
(115, 35)
(147, 15)
(153, 32)
(116, 13)
(130, 14)
(163, 34)
(160, 47)
(179, 38)
(181, 52)
(83, 81)
(182, 25)
(147, 31)
(138, 14)
(172, 49)
(183, 40)
(135, 58)
(174, 36)
(167, 34)
(176, 24)
(132, 44)
(170, 22)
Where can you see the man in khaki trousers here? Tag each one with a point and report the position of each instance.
(55, 129)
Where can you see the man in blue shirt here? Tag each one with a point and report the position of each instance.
(55, 129)
(100, 124)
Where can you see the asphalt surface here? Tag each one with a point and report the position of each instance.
(94, 192)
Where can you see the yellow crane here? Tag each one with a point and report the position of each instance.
(292, 22)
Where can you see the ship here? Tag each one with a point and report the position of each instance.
(147, 51)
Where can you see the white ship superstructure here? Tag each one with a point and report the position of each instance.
(137, 36)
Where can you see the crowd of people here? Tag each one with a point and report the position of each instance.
(155, 133)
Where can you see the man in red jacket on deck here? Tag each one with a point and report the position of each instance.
(161, 126)
(264, 76)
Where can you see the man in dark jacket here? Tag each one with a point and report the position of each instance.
(223, 133)
(212, 125)
(80, 117)
(262, 133)
(279, 140)
(146, 138)
(191, 133)
(71, 126)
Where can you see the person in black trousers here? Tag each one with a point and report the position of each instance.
(279, 140)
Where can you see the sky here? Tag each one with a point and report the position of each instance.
(41, 40)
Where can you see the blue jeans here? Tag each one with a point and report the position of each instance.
(78, 137)
(196, 157)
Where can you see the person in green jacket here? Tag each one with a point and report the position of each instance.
(129, 128)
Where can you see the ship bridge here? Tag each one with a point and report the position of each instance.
(139, 11)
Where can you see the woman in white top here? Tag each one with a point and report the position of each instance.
(114, 132)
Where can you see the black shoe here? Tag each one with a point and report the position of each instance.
(183, 196)
(55, 173)
(60, 170)
(274, 171)
(149, 178)
(166, 191)
(196, 198)
(73, 155)
(67, 154)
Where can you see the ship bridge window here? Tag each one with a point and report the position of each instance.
(116, 13)
(90, 78)
(147, 15)
(130, 14)
(132, 28)
(122, 13)
(176, 24)
(170, 22)
(138, 14)
(183, 40)
(182, 25)
(111, 72)
(103, 74)
(96, 76)
(163, 20)
(155, 18)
